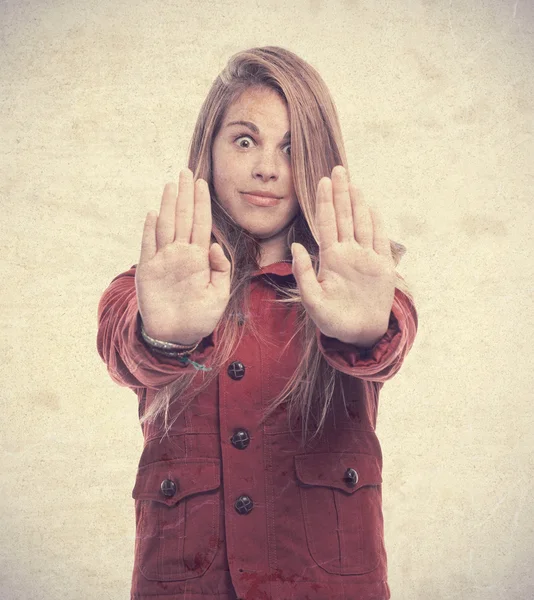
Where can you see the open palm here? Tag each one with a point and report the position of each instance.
(351, 297)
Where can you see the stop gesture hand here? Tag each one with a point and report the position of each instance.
(351, 297)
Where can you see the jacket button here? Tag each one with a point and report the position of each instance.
(351, 477)
(240, 318)
(240, 439)
(168, 488)
(236, 370)
(243, 505)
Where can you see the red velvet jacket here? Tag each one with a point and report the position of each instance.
(229, 509)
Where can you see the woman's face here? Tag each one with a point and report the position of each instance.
(251, 154)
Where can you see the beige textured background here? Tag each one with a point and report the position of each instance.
(98, 102)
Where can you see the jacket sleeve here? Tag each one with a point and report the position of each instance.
(130, 361)
(385, 358)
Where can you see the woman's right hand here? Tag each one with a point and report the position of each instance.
(182, 284)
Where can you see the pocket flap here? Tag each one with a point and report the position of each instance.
(330, 469)
(181, 477)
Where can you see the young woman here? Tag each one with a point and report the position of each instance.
(257, 330)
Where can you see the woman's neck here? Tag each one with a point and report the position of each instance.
(275, 249)
(268, 258)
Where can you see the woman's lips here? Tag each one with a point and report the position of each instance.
(261, 200)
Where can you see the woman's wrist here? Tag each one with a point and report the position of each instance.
(170, 348)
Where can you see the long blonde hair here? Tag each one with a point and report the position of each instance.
(316, 147)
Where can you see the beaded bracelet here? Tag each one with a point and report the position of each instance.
(182, 358)
(163, 348)
(168, 348)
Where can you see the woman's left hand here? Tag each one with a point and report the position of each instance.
(351, 297)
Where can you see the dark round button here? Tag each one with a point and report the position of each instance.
(236, 370)
(351, 477)
(243, 505)
(168, 487)
(240, 319)
(240, 439)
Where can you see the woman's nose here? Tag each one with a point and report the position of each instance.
(267, 167)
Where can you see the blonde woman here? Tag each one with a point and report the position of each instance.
(257, 330)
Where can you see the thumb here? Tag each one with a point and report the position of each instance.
(219, 265)
(309, 287)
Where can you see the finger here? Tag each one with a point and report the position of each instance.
(381, 241)
(342, 204)
(185, 207)
(165, 224)
(309, 288)
(326, 214)
(148, 241)
(363, 223)
(202, 221)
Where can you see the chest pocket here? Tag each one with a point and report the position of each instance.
(175, 498)
(342, 509)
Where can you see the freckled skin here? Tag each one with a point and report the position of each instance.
(245, 161)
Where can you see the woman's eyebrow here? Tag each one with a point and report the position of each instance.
(255, 129)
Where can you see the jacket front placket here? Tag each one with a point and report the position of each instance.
(242, 451)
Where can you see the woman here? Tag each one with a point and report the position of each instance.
(257, 330)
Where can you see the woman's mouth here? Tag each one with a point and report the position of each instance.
(261, 200)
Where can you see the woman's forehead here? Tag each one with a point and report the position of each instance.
(259, 103)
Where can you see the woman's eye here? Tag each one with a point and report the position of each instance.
(248, 139)
(243, 137)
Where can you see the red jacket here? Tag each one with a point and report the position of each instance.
(227, 509)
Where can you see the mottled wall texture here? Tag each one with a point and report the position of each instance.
(98, 102)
